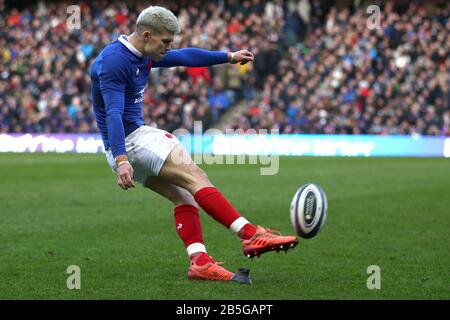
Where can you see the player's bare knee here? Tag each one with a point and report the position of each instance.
(201, 176)
(184, 197)
(199, 180)
(192, 174)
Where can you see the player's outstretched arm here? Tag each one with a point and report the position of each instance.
(195, 57)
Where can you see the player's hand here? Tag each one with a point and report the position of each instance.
(124, 174)
(242, 56)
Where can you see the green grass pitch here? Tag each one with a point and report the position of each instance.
(62, 210)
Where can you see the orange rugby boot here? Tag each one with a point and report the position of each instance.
(209, 271)
(265, 240)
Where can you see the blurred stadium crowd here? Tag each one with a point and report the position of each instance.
(318, 67)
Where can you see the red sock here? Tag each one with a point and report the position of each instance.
(247, 231)
(216, 205)
(187, 222)
(200, 258)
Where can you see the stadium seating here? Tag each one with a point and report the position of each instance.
(318, 68)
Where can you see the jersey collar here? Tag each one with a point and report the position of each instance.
(124, 40)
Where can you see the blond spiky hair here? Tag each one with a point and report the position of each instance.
(159, 19)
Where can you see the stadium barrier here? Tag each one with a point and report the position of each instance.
(235, 144)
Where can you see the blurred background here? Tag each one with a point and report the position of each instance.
(318, 67)
(325, 75)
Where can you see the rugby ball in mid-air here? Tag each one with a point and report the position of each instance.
(308, 210)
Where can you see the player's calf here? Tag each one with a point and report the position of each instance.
(189, 176)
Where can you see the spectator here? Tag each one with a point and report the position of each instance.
(317, 68)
